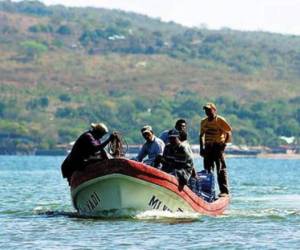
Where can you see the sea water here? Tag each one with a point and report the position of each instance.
(36, 212)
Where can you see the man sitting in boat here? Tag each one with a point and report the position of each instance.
(177, 159)
(181, 127)
(151, 148)
(88, 144)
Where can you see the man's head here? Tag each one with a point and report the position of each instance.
(180, 125)
(182, 136)
(174, 137)
(99, 129)
(210, 109)
(147, 133)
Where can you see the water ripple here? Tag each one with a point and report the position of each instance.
(36, 212)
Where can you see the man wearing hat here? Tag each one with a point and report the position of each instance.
(181, 127)
(151, 148)
(88, 144)
(177, 159)
(215, 132)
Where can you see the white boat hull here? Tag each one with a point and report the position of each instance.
(125, 187)
(117, 192)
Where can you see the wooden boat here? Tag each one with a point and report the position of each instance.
(121, 184)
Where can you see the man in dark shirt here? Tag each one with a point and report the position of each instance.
(88, 144)
(177, 159)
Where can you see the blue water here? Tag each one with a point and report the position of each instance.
(36, 212)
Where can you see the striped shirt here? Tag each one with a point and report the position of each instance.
(178, 157)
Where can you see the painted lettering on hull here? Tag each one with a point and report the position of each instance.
(156, 203)
(92, 202)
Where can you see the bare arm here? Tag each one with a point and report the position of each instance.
(104, 144)
(142, 153)
(201, 139)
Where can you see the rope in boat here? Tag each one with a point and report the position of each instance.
(118, 146)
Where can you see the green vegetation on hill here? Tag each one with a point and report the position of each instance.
(62, 68)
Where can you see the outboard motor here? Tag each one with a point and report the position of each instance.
(203, 185)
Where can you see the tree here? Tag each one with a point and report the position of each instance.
(2, 109)
(289, 128)
(297, 114)
(65, 97)
(41, 28)
(64, 30)
(33, 49)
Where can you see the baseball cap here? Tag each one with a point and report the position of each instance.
(210, 105)
(146, 129)
(174, 133)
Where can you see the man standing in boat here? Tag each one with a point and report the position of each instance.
(215, 132)
(177, 159)
(151, 148)
(88, 144)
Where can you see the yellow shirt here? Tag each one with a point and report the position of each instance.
(215, 131)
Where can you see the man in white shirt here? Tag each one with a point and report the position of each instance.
(151, 148)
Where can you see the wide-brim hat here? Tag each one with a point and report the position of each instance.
(99, 127)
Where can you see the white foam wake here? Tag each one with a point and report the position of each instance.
(156, 214)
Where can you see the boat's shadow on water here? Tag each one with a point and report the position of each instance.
(57, 214)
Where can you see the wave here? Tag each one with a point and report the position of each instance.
(267, 213)
(153, 215)
(166, 216)
(176, 217)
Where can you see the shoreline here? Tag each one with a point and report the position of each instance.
(279, 156)
(266, 156)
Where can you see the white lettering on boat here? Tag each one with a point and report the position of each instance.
(155, 203)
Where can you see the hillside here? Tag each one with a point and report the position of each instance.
(62, 68)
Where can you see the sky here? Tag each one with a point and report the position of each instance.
(279, 16)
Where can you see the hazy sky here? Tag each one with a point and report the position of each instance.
(281, 16)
